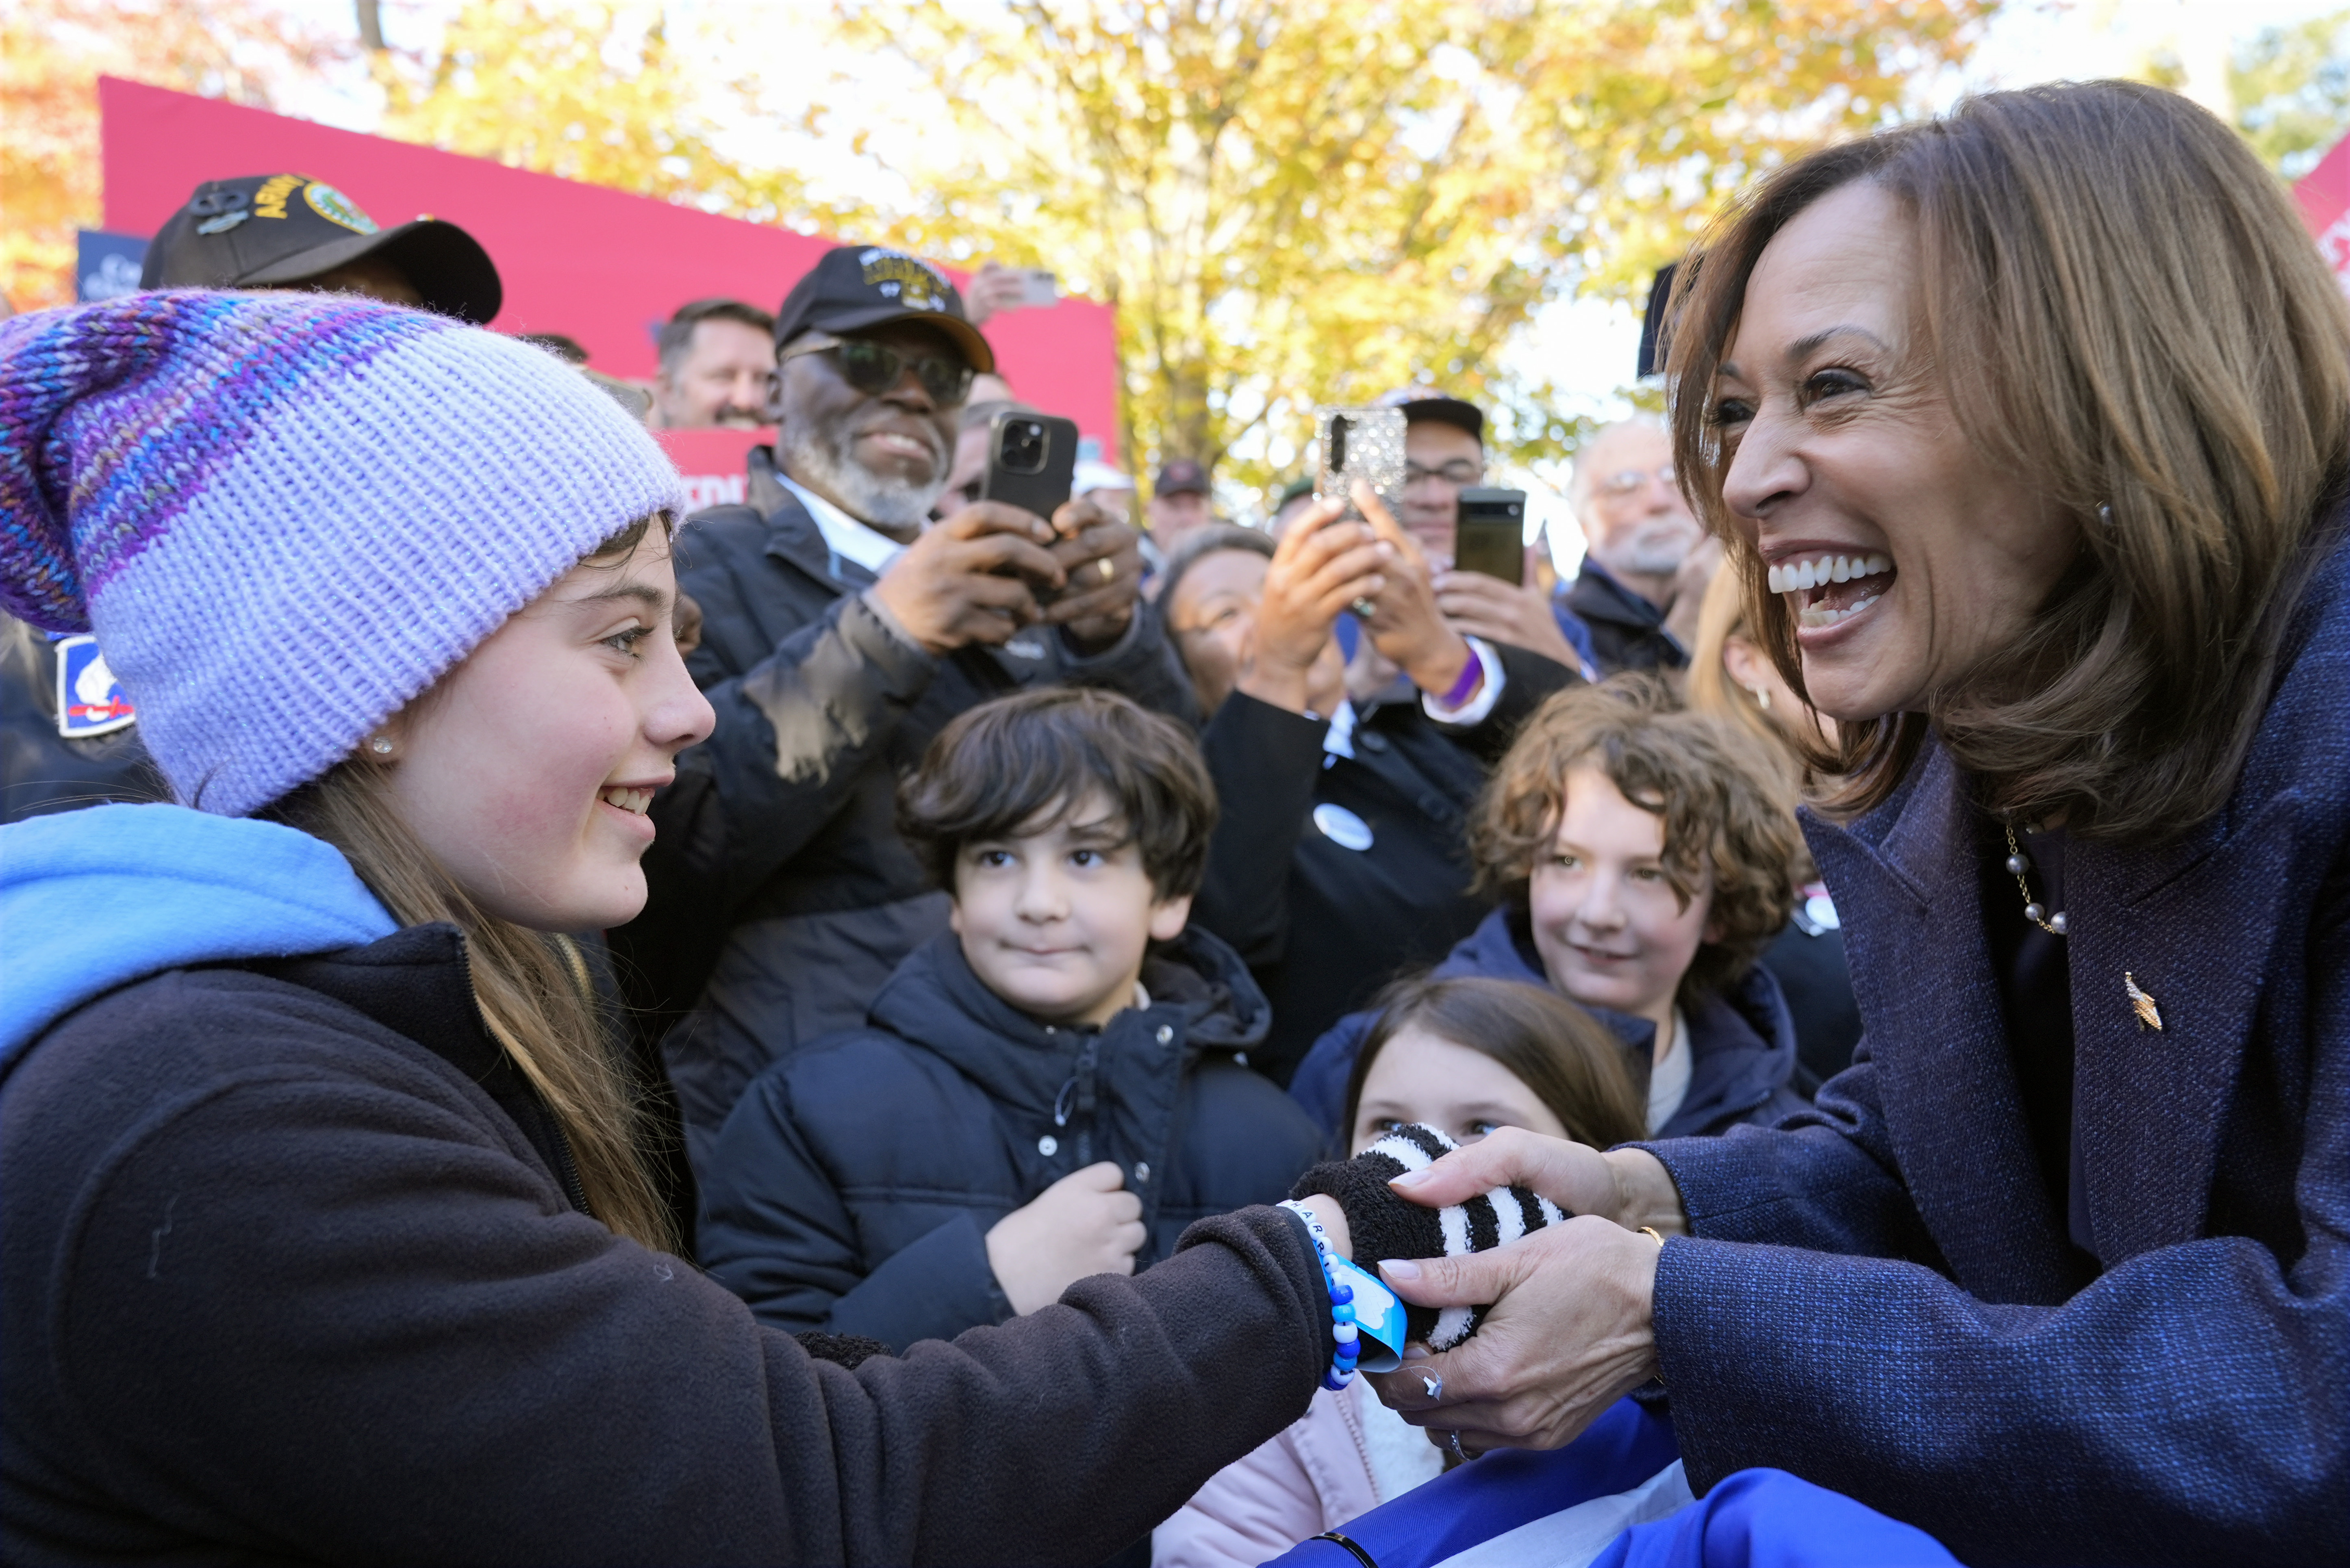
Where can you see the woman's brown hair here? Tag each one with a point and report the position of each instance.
(2124, 306)
(1727, 799)
(1568, 1058)
(533, 989)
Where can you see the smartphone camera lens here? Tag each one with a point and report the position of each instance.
(1022, 447)
(1339, 424)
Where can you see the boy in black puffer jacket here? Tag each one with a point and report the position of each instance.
(1054, 1090)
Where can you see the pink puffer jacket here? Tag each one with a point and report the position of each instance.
(1317, 1474)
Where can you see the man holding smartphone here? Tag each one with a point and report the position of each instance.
(1444, 454)
(842, 630)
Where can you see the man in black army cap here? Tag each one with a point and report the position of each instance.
(842, 630)
(68, 735)
(287, 230)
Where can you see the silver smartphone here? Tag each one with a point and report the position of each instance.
(1360, 443)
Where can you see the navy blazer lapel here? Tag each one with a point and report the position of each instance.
(1905, 880)
(2192, 925)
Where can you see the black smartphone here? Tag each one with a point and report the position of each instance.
(1031, 459)
(1490, 538)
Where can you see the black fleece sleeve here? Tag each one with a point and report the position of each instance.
(1264, 761)
(328, 1309)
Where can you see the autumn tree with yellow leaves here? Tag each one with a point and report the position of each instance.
(589, 92)
(52, 53)
(1293, 202)
(1287, 201)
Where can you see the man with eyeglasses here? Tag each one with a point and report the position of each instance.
(842, 630)
(1646, 561)
(1444, 454)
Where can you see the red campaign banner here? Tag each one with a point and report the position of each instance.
(2323, 194)
(599, 266)
(714, 464)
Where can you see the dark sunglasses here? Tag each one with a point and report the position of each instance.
(874, 368)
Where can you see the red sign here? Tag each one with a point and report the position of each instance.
(599, 266)
(2325, 196)
(714, 464)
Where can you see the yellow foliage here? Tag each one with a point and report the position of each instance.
(52, 53)
(1292, 202)
(589, 92)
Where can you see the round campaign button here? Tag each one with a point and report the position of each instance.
(1342, 827)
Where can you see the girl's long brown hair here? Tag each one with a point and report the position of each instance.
(2123, 305)
(533, 989)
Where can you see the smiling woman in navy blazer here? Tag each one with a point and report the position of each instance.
(2031, 426)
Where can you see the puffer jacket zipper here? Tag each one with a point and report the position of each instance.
(1078, 1099)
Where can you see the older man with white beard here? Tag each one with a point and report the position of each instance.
(1645, 560)
(841, 632)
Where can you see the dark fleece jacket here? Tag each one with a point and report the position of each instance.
(280, 1281)
(853, 1187)
(1742, 1041)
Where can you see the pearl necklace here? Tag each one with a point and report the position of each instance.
(2018, 863)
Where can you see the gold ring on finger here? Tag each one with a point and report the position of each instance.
(1108, 569)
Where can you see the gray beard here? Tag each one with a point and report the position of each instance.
(890, 504)
(1655, 551)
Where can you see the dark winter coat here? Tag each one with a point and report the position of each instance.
(292, 1269)
(1882, 1297)
(1628, 632)
(781, 894)
(1324, 921)
(854, 1186)
(1741, 1042)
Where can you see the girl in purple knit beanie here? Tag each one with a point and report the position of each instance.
(324, 1229)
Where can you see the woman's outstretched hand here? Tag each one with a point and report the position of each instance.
(1570, 1327)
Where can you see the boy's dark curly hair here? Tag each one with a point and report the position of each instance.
(1020, 764)
(1728, 804)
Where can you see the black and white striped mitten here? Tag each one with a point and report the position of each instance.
(1383, 1223)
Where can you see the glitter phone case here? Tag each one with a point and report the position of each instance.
(1359, 443)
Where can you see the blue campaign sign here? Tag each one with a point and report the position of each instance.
(106, 265)
(90, 700)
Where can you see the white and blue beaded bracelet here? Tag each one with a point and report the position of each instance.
(1343, 1331)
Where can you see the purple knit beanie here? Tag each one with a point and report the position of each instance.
(284, 515)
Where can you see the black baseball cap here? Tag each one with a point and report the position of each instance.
(1181, 476)
(857, 288)
(1419, 403)
(282, 230)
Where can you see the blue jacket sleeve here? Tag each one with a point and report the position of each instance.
(1828, 1181)
(776, 1231)
(2191, 1403)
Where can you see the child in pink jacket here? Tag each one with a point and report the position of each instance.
(1464, 1057)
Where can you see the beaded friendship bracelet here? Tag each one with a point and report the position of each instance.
(1343, 1331)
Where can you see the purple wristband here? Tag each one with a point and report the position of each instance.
(1472, 676)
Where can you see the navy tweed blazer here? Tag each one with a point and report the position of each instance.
(1876, 1296)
